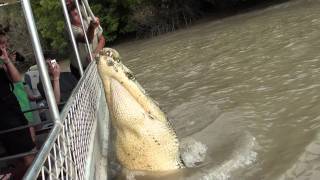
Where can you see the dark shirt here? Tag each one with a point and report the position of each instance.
(67, 84)
(18, 141)
(5, 84)
(10, 112)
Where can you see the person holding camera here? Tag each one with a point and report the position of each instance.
(54, 73)
(19, 88)
(19, 141)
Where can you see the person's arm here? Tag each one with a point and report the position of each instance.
(81, 38)
(56, 90)
(91, 29)
(90, 35)
(100, 46)
(12, 71)
(90, 32)
(77, 33)
(31, 97)
(54, 72)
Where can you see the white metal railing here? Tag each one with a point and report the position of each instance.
(66, 153)
(77, 145)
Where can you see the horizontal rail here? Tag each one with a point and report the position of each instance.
(16, 156)
(22, 127)
(43, 153)
(42, 108)
(67, 149)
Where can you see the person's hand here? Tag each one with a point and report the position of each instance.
(4, 56)
(88, 58)
(93, 56)
(95, 23)
(54, 70)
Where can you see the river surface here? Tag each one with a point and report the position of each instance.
(243, 93)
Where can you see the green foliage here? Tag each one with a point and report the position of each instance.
(19, 37)
(115, 16)
(120, 17)
(50, 23)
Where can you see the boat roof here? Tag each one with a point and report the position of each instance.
(8, 2)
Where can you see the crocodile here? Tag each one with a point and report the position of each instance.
(145, 139)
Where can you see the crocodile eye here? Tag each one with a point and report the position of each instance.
(109, 53)
(130, 76)
(117, 60)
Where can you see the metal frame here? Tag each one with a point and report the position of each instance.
(73, 39)
(74, 146)
(53, 109)
(87, 7)
(69, 152)
(84, 30)
(74, 44)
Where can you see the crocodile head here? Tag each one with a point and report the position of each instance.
(144, 138)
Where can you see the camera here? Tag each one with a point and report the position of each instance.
(53, 62)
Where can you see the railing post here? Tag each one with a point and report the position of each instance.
(84, 30)
(42, 67)
(73, 39)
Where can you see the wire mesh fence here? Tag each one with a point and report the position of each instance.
(65, 153)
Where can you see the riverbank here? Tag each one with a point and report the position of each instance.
(14, 17)
(214, 14)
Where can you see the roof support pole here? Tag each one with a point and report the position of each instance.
(73, 39)
(53, 109)
(84, 30)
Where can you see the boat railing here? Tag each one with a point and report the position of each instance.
(75, 149)
(77, 146)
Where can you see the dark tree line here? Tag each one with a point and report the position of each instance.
(140, 18)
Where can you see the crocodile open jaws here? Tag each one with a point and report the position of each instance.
(144, 140)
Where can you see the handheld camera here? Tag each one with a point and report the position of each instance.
(53, 62)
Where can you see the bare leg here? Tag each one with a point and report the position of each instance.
(33, 134)
(28, 160)
(22, 166)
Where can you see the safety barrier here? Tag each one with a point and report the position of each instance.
(76, 147)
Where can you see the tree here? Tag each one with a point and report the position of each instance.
(115, 18)
(50, 23)
(120, 17)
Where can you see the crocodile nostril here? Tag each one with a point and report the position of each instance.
(110, 62)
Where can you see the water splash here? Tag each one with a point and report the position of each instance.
(241, 158)
(192, 152)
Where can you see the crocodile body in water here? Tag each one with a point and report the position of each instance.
(145, 139)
